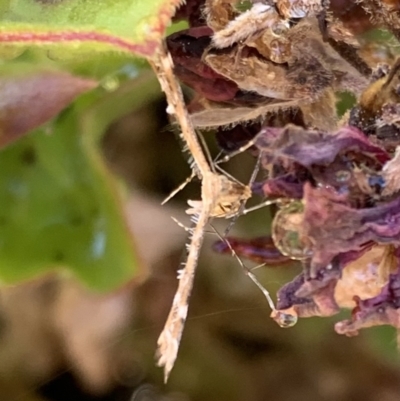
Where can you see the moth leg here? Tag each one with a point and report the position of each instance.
(231, 155)
(283, 319)
(179, 188)
(261, 205)
(187, 229)
(247, 271)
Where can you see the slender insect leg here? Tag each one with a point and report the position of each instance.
(187, 229)
(283, 319)
(190, 178)
(179, 188)
(261, 205)
(247, 271)
(263, 290)
(242, 149)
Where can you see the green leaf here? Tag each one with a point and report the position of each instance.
(133, 26)
(61, 209)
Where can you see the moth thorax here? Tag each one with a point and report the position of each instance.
(226, 209)
(230, 197)
(230, 189)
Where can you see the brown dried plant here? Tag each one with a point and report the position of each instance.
(291, 66)
(384, 13)
(377, 112)
(288, 65)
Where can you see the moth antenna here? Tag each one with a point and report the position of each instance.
(206, 150)
(224, 172)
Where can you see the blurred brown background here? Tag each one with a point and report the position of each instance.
(59, 342)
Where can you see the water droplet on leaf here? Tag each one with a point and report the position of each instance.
(286, 228)
(110, 83)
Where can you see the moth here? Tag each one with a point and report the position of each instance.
(220, 197)
(280, 64)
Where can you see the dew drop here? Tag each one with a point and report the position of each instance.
(129, 71)
(284, 320)
(110, 83)
(286, 228)
(342, 176)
